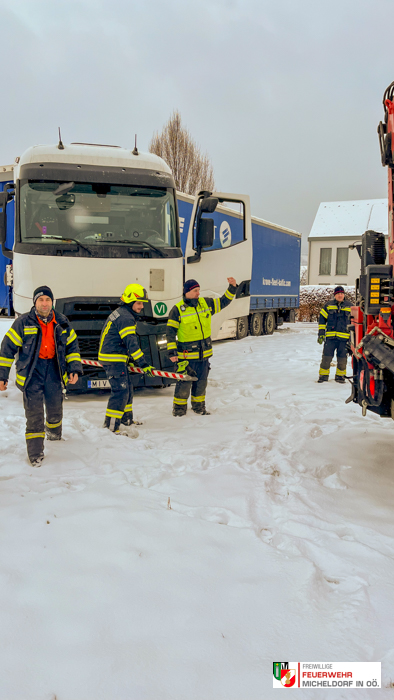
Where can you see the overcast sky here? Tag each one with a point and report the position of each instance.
(284, 96)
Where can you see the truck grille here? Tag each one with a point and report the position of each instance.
(89, 347)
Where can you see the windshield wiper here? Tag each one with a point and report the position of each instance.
(66, 240)
(163, 255)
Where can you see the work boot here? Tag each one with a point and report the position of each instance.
(340, 380)
(130, 421)
(179, 410)
(112, 424)
(37, 461)
(322, 378)
(52, 436)
(199, 408)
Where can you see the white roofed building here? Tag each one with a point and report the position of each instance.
(336, 226)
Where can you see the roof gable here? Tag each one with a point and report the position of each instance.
(351, 219)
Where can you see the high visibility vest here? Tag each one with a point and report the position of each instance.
(194, 322)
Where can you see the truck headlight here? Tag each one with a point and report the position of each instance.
(162, 341)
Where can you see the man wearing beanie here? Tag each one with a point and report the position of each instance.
(47, 359)
(189, 341)
(333, 332)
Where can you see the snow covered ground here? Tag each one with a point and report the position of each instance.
(278, 544)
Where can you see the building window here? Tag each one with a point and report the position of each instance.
(342, 258)
(325, 261)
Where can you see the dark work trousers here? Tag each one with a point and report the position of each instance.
(44, 388)
(330, 346)
(120, 403)
(198, 389)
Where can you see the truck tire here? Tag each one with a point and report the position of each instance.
(242, 327)
(269, 323)
(256, 324)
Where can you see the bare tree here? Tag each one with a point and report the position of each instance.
(192, 170)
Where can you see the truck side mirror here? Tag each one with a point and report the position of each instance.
(205, 233)
(208, 205)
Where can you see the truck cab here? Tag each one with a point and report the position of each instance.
(89, 220)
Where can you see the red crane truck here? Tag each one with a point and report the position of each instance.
(371, 329)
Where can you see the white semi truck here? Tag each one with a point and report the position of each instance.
(90, 219)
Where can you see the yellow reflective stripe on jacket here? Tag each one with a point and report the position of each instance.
(324, 313)
(73, 357)
(185, 355)
(104, 357)
(30, 330)
(180, 402)
(337, 334)
(172, 323)
(16, 339)
(207, 353)
(137, 354)
(129, 330)
(20, 380)
(108, 326)
(228, 294)
(6, 361)
(346, 308)
(198, 398)
(322, 326)
(71, 337)
(331, 306)
(31, 436)
(128, 407)
(53, 425)
(171, 346)
(216, 305)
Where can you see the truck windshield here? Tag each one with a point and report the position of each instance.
(97, 214)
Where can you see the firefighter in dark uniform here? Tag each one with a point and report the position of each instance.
(48, 359)
(333, 332)
(189, 342)
(119, 346)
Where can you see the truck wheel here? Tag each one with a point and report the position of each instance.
(242, 327)
(269, 323)
(256, 324)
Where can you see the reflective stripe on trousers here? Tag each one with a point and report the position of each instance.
(331, 346)
(198, 389)
(43, 389)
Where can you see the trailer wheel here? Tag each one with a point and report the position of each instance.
(269, 323)
(256, 324)
(242, 327)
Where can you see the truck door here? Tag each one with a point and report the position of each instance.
(219, 245)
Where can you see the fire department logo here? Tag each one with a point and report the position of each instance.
(288, 677)
(284, 674)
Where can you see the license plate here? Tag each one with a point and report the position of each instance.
(98, 384)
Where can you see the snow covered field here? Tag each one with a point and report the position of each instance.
(278, 544)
